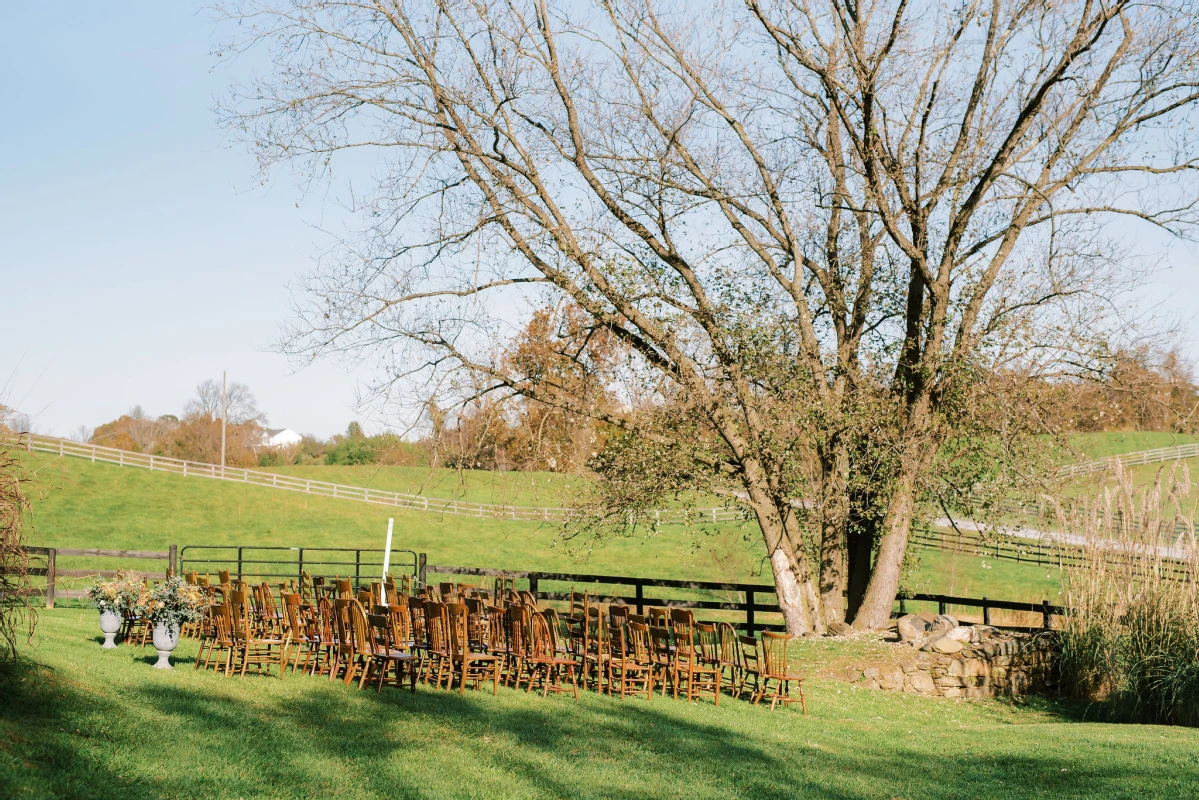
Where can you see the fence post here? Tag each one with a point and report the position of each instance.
(300, 569)
(639, 593)
(533, 586)
(903, 610)
(172, 552)
(749, 612)
(357, 564)
(986, 612)
(239, 563)
(940, 606)
(421, 563)
(50, 566)
(1045, 615)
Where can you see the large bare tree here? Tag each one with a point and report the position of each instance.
(828, 229)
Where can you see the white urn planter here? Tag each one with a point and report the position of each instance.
(110, 623)
(166, 639)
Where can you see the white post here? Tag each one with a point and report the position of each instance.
(224, 413)
(386, 563)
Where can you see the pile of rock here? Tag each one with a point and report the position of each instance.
(938, 656)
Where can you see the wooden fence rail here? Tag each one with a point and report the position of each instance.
(754, 599)
(51, 571)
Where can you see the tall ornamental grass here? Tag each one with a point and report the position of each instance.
(1131, 639)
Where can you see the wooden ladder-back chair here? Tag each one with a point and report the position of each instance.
(446, 590)
(630, 667)
(361, 655)
(518, 628)
(598, 652)
(618, 616)
(497, 636)
(323, 618)
(658, 617)
(661, 655)
(751, 666)
(730, 658)
(385, 656)
(302, 630)
(471, 665)
(418, 631)
(272, 618)
(476, 624)
(344, 588)
(560, 630)
(251, 647)
(547, 664)
(343, 649)
(437, 628)
(219, 640)
(775, 669)
(699, 671)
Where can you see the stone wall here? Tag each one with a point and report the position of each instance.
(987, 663)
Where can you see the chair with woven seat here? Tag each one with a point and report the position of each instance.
(776, 669)
(630, 666)
(470, 664)
(547, 664)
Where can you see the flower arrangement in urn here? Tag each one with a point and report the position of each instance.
(106, 596)
(123, 597)
(169, 605)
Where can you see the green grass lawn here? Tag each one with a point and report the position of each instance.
(478, 486)
(91, 723)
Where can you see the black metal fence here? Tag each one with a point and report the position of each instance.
(258, 564)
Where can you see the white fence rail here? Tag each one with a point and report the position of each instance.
(1131, 459)
(341, 491)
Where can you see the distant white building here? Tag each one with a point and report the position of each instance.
(274, 438)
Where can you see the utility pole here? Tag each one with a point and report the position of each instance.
(224, 413)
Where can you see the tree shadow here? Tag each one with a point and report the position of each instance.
(204, 735)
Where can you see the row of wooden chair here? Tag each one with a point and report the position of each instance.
(459, 635)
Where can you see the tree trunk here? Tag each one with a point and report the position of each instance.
(860, 548)
(834, 514)
(797, 597)
(875, 610)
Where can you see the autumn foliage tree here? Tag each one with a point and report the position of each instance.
(839, 236)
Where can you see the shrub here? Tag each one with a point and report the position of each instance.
(14, 561)
(1131, 639)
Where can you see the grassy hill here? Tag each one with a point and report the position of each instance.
(81, 504)
(1114, 443)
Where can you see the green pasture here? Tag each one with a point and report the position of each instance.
(85, 505)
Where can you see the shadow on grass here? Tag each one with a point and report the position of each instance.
(206, 736)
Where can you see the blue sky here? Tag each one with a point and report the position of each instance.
(138, 254)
